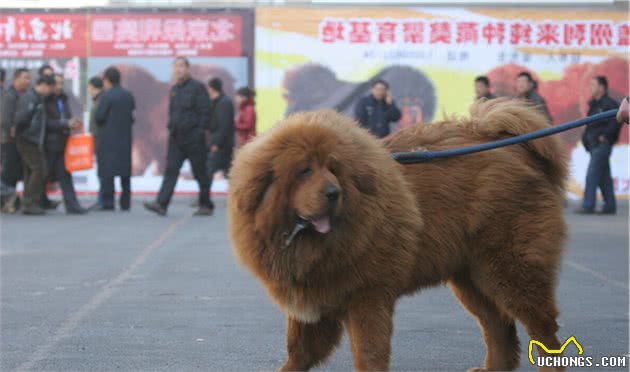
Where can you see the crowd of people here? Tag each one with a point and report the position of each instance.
(377, 112)
(204, 128)
(36, 121)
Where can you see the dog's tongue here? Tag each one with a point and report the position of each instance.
(322, 225)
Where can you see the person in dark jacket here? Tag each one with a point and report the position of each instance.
(114, 119)
(95, 90)
(598, 140)
(377, 110)
(9, 154)
(220, 136)
(31, 125)
(58, 108)
(526, 89)
(188, 113)
(482, 88)
(246, 117)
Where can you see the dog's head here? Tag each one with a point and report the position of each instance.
(303, 179)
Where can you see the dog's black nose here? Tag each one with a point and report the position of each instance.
(331, 192)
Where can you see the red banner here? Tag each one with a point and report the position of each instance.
(42, 35)
(160, 35)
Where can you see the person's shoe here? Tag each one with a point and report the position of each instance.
(155, 208)
(94, 207)
(51, 205)
(607, 211)
(34, 210)
(584, 211)
(76, 210)
(204, 211)
(11, 205)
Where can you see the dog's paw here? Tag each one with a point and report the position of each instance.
(476, 369)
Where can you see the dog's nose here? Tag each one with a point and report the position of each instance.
(331, 192)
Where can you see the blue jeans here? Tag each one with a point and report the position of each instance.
(598, 176)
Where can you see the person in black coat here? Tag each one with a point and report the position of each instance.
(598, 140)
(58, 108)
(526, 88)
(377, 110)
(221, 131)
(188, 110)
(9, 154)
(114, 118)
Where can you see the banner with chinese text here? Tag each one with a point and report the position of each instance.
(327, 58)
(142, 45)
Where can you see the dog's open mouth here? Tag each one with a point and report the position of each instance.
(321, 224)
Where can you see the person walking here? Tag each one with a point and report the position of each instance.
(188, 113)
(526, 88)
(10, 156)
(221, 131)
(377, 110)
(31, 125)
(246, 116)
(598, 140)
(58, 109)
(114, 118)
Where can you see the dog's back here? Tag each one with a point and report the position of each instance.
(479, 203)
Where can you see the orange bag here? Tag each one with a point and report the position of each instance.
(79, 153)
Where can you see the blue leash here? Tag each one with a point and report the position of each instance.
(426, 156)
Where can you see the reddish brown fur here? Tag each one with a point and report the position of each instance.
(489, 224)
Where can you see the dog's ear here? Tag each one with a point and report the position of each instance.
(249, 197)
(365, 182)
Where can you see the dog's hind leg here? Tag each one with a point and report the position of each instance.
(498, 329)
(308, 344)
(523, 287)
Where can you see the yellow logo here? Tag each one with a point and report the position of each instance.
(553, 351)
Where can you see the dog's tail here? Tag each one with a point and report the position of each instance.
(504, 117)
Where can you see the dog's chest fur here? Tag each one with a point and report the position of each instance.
(300, 309)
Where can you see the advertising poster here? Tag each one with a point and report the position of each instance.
(327, 58)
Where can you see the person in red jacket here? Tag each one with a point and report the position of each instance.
(246, 116)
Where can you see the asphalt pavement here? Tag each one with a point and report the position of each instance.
(131, 291)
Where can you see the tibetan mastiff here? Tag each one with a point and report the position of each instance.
(337, 231)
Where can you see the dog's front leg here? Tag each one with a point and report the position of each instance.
(369, 324)
(308, 344)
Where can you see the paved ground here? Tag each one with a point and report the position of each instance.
(135, 292)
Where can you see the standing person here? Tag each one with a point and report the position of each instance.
(188, 110)
(482, 88)
(377, 110)
(220, 135)
(526, 89)
(31, 125)
(95, 90)
(598, 140)
(58, 109)
(114, 119)
(11, 160)
(246, 117)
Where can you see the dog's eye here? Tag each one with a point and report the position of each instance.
(306, 172)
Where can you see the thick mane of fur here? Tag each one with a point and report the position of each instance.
(489, 224)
